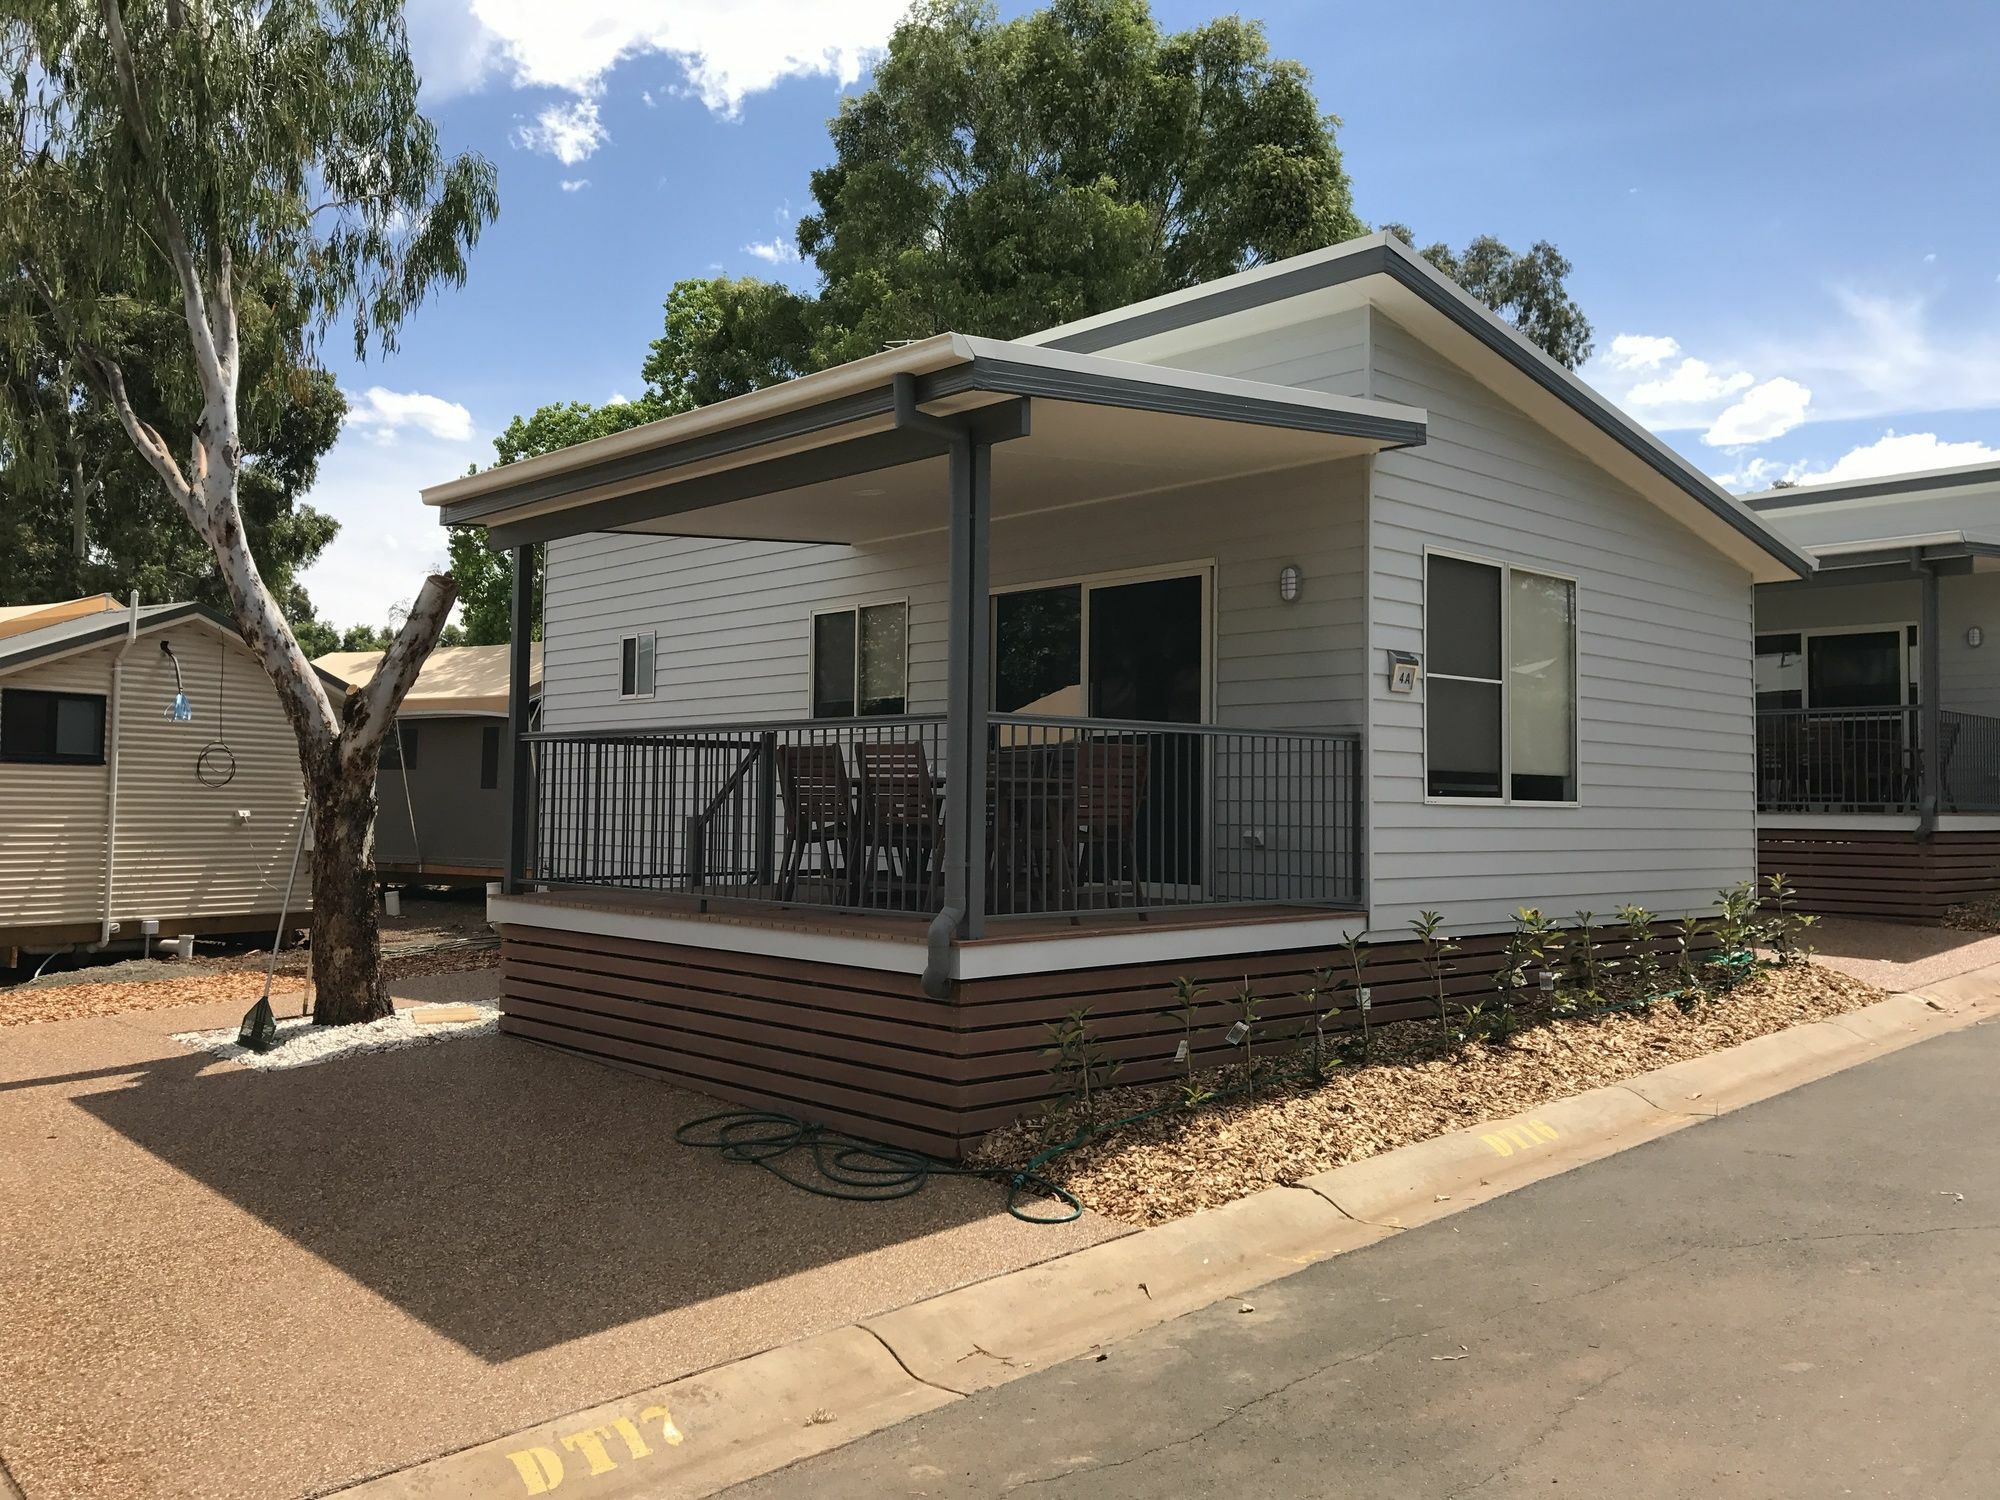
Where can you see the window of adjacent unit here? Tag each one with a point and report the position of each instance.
(489, 758)
(62, 729)
(1846, 666)
(860, 661)
(399, 747)
(635, 666)
(1499, 682)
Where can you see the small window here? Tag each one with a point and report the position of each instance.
(1500, 690)
(489, 758)
(860, 662)
(63, 729)
(635, 666)
(399, 747)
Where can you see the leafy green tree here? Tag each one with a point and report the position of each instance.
(82, 512)
(1527, 290)
(486, 589)
(723, 338)
(1003, 176)
(209, 165)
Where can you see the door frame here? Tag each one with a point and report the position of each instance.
(1202, 568)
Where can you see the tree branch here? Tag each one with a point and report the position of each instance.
(180, 252)
(368, 717)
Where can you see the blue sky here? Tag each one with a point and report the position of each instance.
(1783, 217)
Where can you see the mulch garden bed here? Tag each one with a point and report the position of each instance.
(1415, 1084)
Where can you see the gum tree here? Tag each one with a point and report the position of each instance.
(230, 165)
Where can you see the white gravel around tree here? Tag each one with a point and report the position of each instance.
(300, 1044)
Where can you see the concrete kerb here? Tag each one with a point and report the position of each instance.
(706, 1432)
(994, 1331)
(689, 1437)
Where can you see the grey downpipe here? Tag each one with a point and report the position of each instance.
(943, 931)
(937, 962)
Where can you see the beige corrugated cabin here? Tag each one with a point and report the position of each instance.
(114, 815)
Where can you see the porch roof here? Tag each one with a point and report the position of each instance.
(825, 458)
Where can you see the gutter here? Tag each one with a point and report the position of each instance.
(112, 734)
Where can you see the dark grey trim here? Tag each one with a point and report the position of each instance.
(27, 649)
(1874, 489)
(1469, 316)
(1132, 393)
(1892, 565)
(1227, 300)
(860, 455)
(520, 773)
(651, 461)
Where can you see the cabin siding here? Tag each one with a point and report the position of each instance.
(459, 826)
(732, 620)
(1666, 810)
(183, 849)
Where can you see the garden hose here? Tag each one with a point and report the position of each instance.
(852, 1170)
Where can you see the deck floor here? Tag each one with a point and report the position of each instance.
(911, 927)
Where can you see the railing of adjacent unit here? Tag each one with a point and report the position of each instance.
(1080, 815)
(1871, 760)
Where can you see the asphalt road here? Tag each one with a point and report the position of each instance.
(1799, 1299)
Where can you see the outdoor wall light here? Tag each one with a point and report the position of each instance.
(1288, 582)
(1974, 636)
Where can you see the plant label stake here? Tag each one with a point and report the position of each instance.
(1546, 980)
(1180, 1052)
(1364, 997)
(1236, 1034)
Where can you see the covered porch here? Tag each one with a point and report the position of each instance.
(1878, 727)
(1066, 757)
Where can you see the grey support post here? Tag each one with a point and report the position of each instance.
(1930, 744)
(520, 777)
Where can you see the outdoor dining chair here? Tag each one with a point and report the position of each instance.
(819, 815)
(898, 810)
(1110, 791)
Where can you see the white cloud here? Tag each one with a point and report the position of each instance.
(568, 132)
(1866, 357)
(1641, 351)
(385, 413)
(575, 184)
(726, 49)
(389, 539)
(1766, 411)
(776, 251)
(1896, 453)
(1691, 383)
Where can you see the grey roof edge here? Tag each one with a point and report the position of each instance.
(1385, 255)
(1917, 481)
(988, 366)
(39, 645)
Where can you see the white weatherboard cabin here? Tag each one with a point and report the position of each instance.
(893, 711)
(1878, 694)
(115, 812)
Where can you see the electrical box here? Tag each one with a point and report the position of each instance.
(1405, 667)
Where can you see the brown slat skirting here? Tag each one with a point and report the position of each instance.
(1887, 873)
(867, 1052)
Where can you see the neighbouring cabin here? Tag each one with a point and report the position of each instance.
(1878, 695)
(1253, 618)
(441, 790)
(115, 812)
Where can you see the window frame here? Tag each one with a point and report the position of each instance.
(1912, 668)
(1203, 568)
(491, 736)
(54, 757)
(652, 688)
(1507, 571)
(813, 618)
